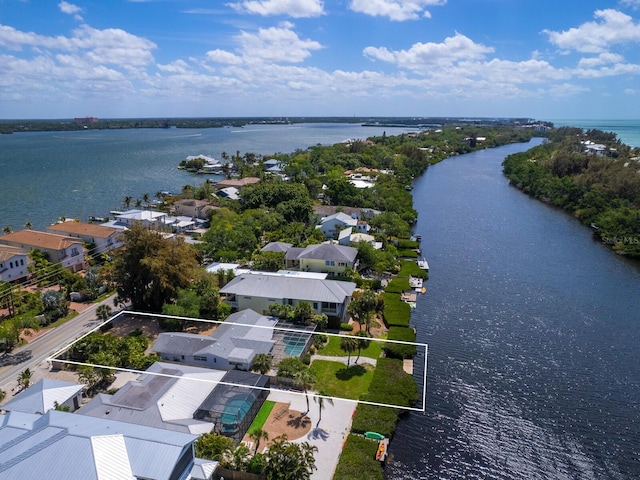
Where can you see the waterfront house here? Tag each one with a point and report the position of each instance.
(194, 208)
(233, 344)
(103, 238)
(237, 182)
(62, 249)
(259, 290)
(230, 193)
(61, 446)
(13, 264)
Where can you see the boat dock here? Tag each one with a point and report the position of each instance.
(423, 264)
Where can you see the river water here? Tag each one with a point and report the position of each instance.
(533, 331)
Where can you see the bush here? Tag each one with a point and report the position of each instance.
(370, 418)
(396, 350)
(346, 326)
(357, 461)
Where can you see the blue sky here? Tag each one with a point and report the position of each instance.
(179, 58)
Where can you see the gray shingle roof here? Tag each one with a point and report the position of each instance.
(329, 251)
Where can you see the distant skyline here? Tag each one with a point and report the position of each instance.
(278, 58)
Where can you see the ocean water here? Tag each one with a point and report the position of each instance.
(628, 131)
(48, 175)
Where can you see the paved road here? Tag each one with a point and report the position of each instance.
(34, 354)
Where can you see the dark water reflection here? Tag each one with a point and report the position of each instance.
(533, 330)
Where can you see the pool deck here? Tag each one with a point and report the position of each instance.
(329, 436)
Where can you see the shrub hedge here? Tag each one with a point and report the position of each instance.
(357, 461)
(397, 350)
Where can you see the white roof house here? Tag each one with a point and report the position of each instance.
(259, 290)
(44, 395)
(233, 344)
(61, 446)
(333, 224)
(164, 398)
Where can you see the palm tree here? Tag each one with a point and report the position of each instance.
(261, 363)
(127, 201)
(146, 199)
(363, 342)
(257, 435)
(320, 399)
(3, 395)
(24, 379)
(28, 225)
(6, 230)
(305, 378)
(103, 312)
(348, 344)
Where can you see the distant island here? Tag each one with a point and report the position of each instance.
(94, 123)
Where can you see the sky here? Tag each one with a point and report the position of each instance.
(543, 59)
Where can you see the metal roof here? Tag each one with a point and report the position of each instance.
(281, 286)
(100, 449)
(42, 396)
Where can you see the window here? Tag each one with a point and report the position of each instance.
(329, 263)
(74, 251)
(247, 298)
(21, 261)
(315, 305)
(200, 358)
(10, 264)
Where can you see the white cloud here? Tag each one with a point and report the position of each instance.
(70, 9)
(397, 10)
(602, 59)
(179, 66)
(610, 28)
(275, 45)
(631, 3)
(292, 8)
(222, 56)
(424, 56)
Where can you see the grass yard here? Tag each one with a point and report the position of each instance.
(335, 379)
(332, 348)
(262, 416)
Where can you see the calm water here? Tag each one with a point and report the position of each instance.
(628, 131)
(78, 174)
(533, 331)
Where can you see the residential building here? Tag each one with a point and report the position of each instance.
(61, 446)
(13, 264)
(67, 251)
(323, 258)
(259, 290)
(233, 344)
(322, 211)
(148, 218)
(237, 182)
(191, 207)
(333, 224)
(45, 395)
(104, 238)
(165, 397)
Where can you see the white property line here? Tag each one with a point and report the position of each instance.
(315, 395)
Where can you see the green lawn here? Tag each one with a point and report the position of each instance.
(262, 416)
(332, 348)
(335, 379)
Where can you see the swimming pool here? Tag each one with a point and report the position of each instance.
(235, 410)
(294, 343)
